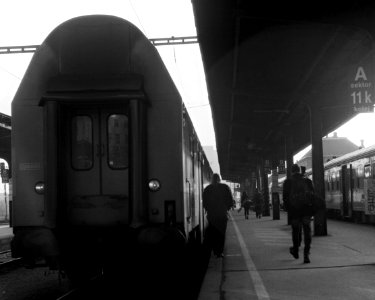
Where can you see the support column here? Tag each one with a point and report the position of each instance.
(253, 180)
(289, 159)
(275, 194)
(289, 154)
(264, 191)
(320, 218)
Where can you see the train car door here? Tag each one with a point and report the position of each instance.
(346, 187)
(96, 162)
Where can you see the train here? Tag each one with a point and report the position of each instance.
(349, 183)
(106, 161)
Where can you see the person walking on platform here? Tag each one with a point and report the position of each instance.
(217, 200)
(258, 203)
(245, 203)
(297, 194)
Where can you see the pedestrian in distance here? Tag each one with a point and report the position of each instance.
(245, 203)
(298, 194)
(234, 205)
(217, 201)
(258, 204)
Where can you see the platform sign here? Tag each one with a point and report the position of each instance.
(369, 196)
(361, 88)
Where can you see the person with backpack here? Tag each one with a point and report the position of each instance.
(258, 203)
(298, 193)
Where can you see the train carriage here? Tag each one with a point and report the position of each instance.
(348, 179)
(105, 156)
(349, 186)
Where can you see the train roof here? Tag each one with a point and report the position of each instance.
(346, 158)
(87, 48)
(358, 154)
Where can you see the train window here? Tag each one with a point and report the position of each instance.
(191, 146)
(367, 171)
(118, 144)
(327, 180)
(373, 170)
(334, 183)
(82, 147)
(360, 172)
(356, 179)
(330, 181)
(360, 176)
(327, 186)
(353, 174)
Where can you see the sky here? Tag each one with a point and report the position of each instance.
(26, 22)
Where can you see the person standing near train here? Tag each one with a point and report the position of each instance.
(297, 194)
(217, 200)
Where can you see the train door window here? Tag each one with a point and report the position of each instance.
(332, 183)
(329, 178)
(333, 180)
(360, 176)
(326, 180)
(81, 143)
(355, 178)
(118, 146)
(191, 146)
(367, 171)
(373, 170)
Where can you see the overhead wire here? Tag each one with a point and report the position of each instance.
(139, 20)
(10, 73)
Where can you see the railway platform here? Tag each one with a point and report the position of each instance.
(257, 263)
(6, 235)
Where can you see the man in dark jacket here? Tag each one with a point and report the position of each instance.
(217, 200)
(258, 203)
(296, 193)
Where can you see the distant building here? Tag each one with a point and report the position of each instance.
(332, 147)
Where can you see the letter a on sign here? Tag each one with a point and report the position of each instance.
(360, 74)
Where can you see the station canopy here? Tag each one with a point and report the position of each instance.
(268, 64)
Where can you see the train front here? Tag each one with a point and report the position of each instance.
(97, 150)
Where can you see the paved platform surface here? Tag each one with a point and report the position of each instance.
(257, 263)
(6, 234)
